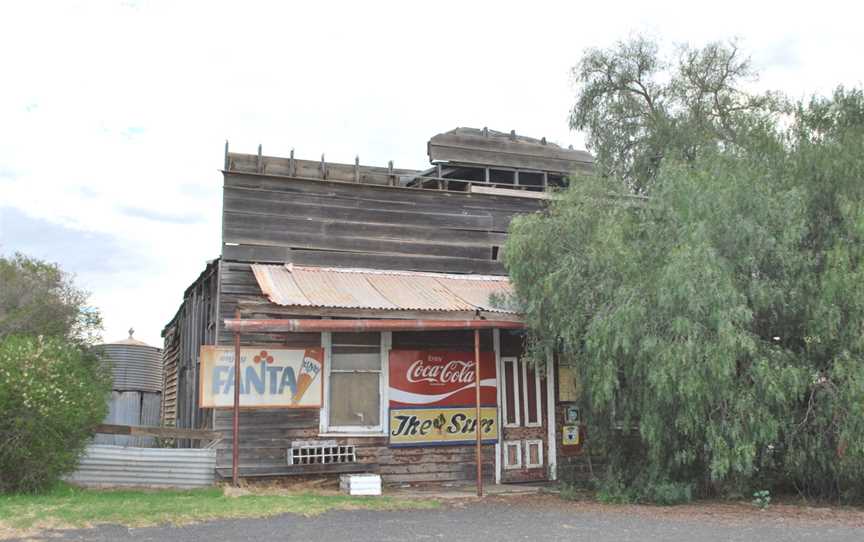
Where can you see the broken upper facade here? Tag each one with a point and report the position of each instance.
(461, 159)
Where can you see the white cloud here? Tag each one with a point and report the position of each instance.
(113, 115)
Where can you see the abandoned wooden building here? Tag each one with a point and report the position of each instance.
(420, 252)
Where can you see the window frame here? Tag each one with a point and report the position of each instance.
(325, 429)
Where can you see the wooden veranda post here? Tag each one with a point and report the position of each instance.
(235, 448)
(477, 397)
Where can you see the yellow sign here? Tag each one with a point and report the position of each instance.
(570, 435)
(439, 426)
(269, 377)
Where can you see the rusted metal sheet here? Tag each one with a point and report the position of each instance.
(131, 408)
(297, 325)
(151, 406)
(119, 466)
(303, 286)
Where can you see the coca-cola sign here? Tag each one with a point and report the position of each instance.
(440, 378)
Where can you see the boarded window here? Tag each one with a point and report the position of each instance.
(569, 389)
(355, 380)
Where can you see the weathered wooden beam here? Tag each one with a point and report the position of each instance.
(301, 470)
(161, 432)
(300, 325)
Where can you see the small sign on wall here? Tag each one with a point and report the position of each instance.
(570, 435)
(439, 426)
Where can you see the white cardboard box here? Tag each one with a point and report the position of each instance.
(360, 484)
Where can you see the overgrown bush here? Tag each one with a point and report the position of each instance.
(711, 299)
(52, 394)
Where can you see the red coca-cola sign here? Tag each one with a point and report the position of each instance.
(440, 378)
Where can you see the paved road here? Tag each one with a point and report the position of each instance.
(497, 521)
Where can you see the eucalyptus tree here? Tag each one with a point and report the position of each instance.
(639, 108)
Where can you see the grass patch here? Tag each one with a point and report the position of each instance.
(68, 506)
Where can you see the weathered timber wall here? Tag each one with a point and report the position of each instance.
(195, 323)
(352, 225)
(471, 147)
(339, 224)
(266, 434)
(326, 223)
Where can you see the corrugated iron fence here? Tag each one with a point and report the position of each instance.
(119, 466)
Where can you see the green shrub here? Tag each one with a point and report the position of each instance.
(612, 490)
(761, 499)
(52, 394)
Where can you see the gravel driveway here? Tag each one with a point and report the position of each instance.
(502, 519)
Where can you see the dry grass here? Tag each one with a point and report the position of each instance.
(70, 507)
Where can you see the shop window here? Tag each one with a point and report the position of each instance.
(355, 382)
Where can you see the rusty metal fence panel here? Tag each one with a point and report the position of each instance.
(132, 408)
(119, 466)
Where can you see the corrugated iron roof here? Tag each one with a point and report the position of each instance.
(301, 286)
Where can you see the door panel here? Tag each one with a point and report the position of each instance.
(512, 454)
(523, 430)
(533, 453)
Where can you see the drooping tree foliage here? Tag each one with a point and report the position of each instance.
(716, 324)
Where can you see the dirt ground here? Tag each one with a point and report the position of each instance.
(516, 517)
(720, 512)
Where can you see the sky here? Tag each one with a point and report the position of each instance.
(114, 114)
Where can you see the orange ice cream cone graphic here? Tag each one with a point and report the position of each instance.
(308, 372)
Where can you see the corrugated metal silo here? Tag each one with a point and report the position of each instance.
(136, 390)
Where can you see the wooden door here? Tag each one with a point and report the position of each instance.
(523, 443)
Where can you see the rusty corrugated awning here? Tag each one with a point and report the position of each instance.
(371, 289)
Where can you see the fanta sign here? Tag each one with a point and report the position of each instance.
(439, 378)
(273, 378)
